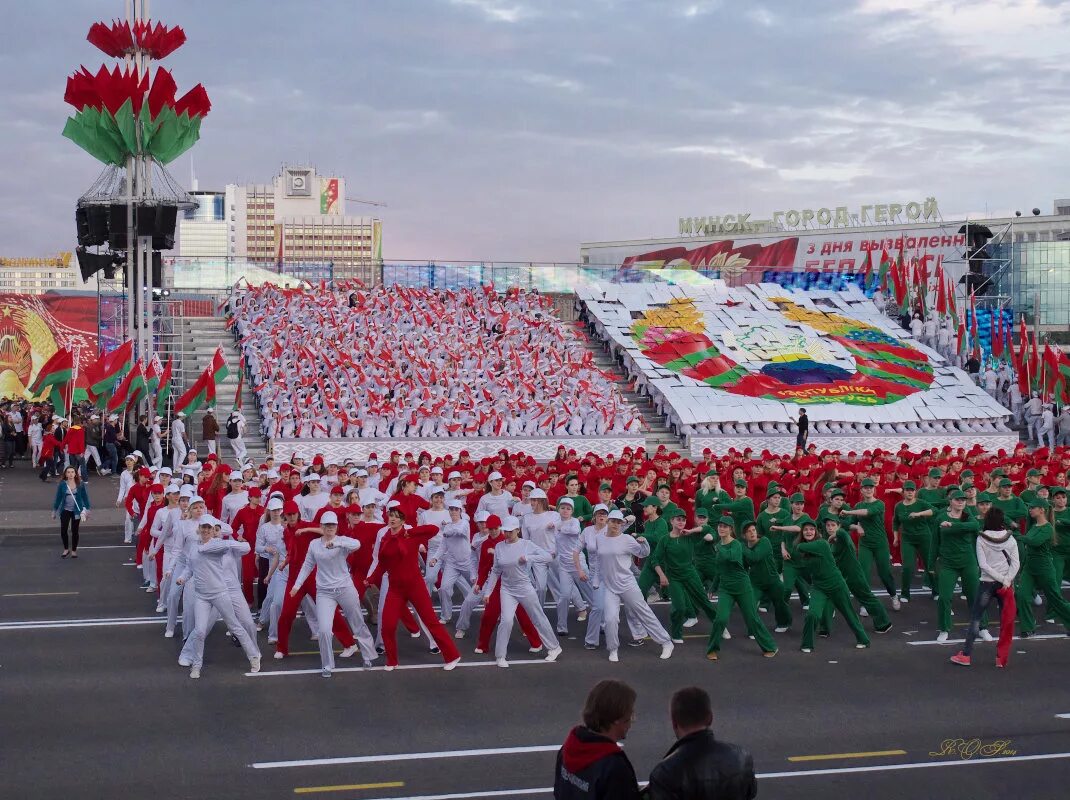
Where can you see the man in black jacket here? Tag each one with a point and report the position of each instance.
(591, 765)
(698, 766)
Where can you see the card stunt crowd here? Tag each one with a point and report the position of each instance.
(360, 548)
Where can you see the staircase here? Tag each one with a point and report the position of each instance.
(200, 338)
(657, 432)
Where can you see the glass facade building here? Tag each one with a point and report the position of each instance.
(1036, 282)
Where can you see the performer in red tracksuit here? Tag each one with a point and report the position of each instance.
(298, 536)
(149, 509)
(492, 611)
(245, 523)
(399, 560)
(136, 503)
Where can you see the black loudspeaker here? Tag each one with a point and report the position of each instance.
(117, 238)
(145, 220)
(155, 272)
(163, 234)
(92, 225)
(89, 264)
(81, 224)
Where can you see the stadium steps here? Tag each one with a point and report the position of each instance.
(657, 433)
(200, 337)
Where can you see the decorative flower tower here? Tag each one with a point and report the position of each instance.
(130, 120)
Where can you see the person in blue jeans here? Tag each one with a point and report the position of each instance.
(72, 501)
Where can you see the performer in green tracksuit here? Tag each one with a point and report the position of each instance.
(710, 492)
(581, 506)
(1032, 483)
(741, 507)
(954, 556)
(758, 556)
(912, 530)
(828, 586)
(736, 589)
(674, 563)
(873, 545)
(1038, 573)
(1060, 551)
(843, 550)
(655, 528)
(1014, 510)
(706, 550)
(788, 529)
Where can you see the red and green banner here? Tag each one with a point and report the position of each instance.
(217, 372)
(163, 392)
(152, 373)
(195, 396)
(106, 370)
(122, 391)
(56, 372)
(241, 381)
(885, 369)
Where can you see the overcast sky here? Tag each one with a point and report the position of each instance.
(515, 129)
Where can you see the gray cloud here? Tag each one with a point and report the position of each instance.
(502, 129)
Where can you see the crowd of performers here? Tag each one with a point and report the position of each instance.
(360, 548)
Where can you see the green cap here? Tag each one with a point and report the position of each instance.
(632, 479)
(829, 486)
(836, 493)
(998, 472)
(957, 495)
(1005, 483)
(727, 521)
(983, 497)
(797, 498)
(967, 473)
(869, 482)
(802, 522)
(652, 501)
(934, 473)
(712, 474)
(702, 512)
(1058, 490)
(833, 520)
(677, 512)
(909, 485)
(742, 483)
(773, 490)
(1033, 473)
(606, 486)
(663, 486)
(1038, 503)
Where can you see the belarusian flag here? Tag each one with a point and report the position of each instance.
(194, 397)
(217, 372)
(163, 392)
(119, 396)
(867, 272)
(57, 371)
(241, 380)
(882, 271)
(137, 386)
(941, 292)
(106, 370)
(152, 374)
(975, 342)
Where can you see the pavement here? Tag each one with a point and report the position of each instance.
(93, 704)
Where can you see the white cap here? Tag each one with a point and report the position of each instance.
(482, 516)
(510, 524)
(187, 491)
(532, 484)
(537, 494)
(600, 507)
(455, 504)
(137, 453)
(166, 471)
(453, 474)
(312, 476)
(97, 416)
(371, 501)
(329, 518)
(438, 490)
(494, 476)
(172, 488)
(58, 419)
(196, 499)
(361, 473)
(275, 504)
(436, 470)
(616, 514)
(393, 504)
(157, 418)
(180, 414)
(208, 410)
(567, 501)
(372, 463)
(112, 417)
(272, 473)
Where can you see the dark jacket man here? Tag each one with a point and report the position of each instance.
(698, 767)
(591, 766)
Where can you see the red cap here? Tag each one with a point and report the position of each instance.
(353, 508)
(317, 461)
(336, 490)
(290, 507)
(225, 469)
(212, 457)
(144, 473)
(255, 492)
(494, 521)
(284, 469)
(156, 488)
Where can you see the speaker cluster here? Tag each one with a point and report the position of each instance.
(100, 224)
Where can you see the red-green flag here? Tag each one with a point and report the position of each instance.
(106, 370)
(122, 391)
(58, 370)
(194, 397)
(217, 371)
(941, 292)
(867, 272)
(163, 391)
(241, 380)
(153, 371)
(975, 342)
(138, 387)
(882, 271)
(995, 336)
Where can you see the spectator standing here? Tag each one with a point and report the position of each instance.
(93, 442)
(74, 444)
(591, 765)
(698, 766)
(36, 434)
(109, 435)
(210, 430)
(804, 430)
(71, 505)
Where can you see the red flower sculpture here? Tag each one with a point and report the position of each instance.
(119, 39)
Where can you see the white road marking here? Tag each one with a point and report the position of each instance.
(286, 672)
(78, 623)
(805, 773)
(486, 751)
(979, 641)
(103, 546)
(1062, 716)
(39, 594)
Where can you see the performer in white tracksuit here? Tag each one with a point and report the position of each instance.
(208, 566)
(270, 546)
(615, 552)
(155, 446)
(127, 478)
(162, 532)
(455, 559)
(590, 538)
(334, 588)
(572, 571)
(438, 516)
(183, 539)
(538, 526)
(512, 558)
(236, 425)
(178, 440)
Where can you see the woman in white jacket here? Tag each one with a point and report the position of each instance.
(998, 560)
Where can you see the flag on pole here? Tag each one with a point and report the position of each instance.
(163, 391)
(152, 373)
(867, 273)
(996, 335)
(122, 392)
(241, 380)
(941, 292)
(217, 372)
(56, 371)
(975, 342)
(882, 271)
(138, 386)
(105, 371)
(195, 396)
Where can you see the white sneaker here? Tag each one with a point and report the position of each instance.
(677, 641)
(159, 608)
(349, 651)
(325, 673)
(666, 651)
(184, 662)
(169, 634)
(896, 603)
(613, 656)
(279, 656)
(942, 636)
(478, 651)
(389, 668)
(272, 641)
(860, 646)
(780, 630)
(459, 634)
(260, 627)
(553, 654)
(862, 612)
(582, 616)
(254, 664)
(535, 649)
(414, 635)
(501, 662)
(1038, 599)
(691, 622)
(806, 650)
(726, 635)
(903, 600)
(986, 636)
(449, 665)
(195, 672)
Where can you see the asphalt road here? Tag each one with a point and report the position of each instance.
(93, 704)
